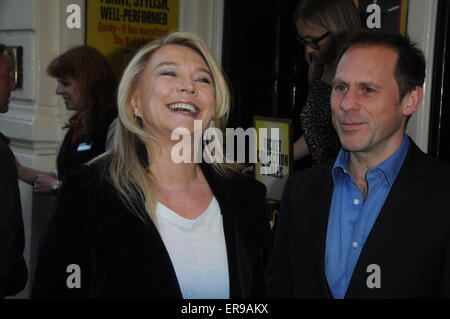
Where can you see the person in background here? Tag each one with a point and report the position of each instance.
(140, 224)
(87, 84)
(320, 26)
(13, 270)
(375, 223)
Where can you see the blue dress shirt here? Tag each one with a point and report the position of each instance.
(351, 217)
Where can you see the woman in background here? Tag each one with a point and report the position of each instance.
(137, 223)
(87, 84)
(320, 26)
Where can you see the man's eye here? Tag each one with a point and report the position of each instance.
(340, 88)
(369, 90)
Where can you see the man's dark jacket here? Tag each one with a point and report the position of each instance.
(410, 240)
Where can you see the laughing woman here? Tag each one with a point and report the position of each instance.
(134, 223)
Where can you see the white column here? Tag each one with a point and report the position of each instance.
(422, 29)
(204, 18)
(36, 116)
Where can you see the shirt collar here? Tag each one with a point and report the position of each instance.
(390, 167)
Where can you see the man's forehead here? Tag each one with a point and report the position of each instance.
(368, 58)
(372, 50)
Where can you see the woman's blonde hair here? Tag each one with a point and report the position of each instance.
(130, 159)
(337, 16)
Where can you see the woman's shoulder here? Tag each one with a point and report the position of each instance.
(87, 175)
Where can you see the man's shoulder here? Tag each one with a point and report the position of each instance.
(4, 139)
(313, 177)
(6, 154)
(431, 173)
(429, 165)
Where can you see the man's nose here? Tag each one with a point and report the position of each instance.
(349, 101)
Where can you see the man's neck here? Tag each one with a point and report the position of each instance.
(361, 162)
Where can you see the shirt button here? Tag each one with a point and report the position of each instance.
(356, 201)
(355, 244)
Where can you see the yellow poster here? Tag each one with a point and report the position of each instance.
(118, 27)
(274, 154)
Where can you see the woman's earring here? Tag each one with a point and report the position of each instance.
(138, 120)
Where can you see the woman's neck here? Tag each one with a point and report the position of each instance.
(167, 171)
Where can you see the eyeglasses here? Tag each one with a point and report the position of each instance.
(313, 43)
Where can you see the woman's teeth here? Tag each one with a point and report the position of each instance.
(183, 108)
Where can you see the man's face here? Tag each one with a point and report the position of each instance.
(367, 113)
(6, 83)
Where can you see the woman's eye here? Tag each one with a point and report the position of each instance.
(168, 73)
(204, 80)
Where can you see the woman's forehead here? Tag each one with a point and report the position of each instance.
(176, 54)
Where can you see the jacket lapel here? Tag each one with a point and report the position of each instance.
(242, 236)
(393, 213)
(142, 243)
(322, 212)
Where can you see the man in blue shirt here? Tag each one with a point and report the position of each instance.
(375, 223)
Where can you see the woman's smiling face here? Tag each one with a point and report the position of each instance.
(176, 88)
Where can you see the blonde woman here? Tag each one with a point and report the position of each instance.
(136, 223)
(320, 25)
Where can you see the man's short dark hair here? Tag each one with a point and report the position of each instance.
(410, 68)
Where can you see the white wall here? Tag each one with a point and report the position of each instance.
(36, 114)
(421, 28)
(205, 18)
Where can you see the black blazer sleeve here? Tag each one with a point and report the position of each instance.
(64, 264)
(277, 274)
(13, 270)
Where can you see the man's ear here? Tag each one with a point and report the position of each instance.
(412, 101)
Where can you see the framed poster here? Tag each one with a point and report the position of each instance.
(119, 28)
(274, 153)
(389, 15)
(17, 75)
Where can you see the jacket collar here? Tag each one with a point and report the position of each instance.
(393, 214)
(406, 187)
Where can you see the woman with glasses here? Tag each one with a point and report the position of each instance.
(320, 24)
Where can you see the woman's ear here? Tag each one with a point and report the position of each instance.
(135, 106)
(412, 101)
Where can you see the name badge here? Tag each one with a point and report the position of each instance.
(83, 147)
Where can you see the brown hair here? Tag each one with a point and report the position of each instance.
(97, 83)
(410, 67)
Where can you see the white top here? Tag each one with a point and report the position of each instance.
(197, 250)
